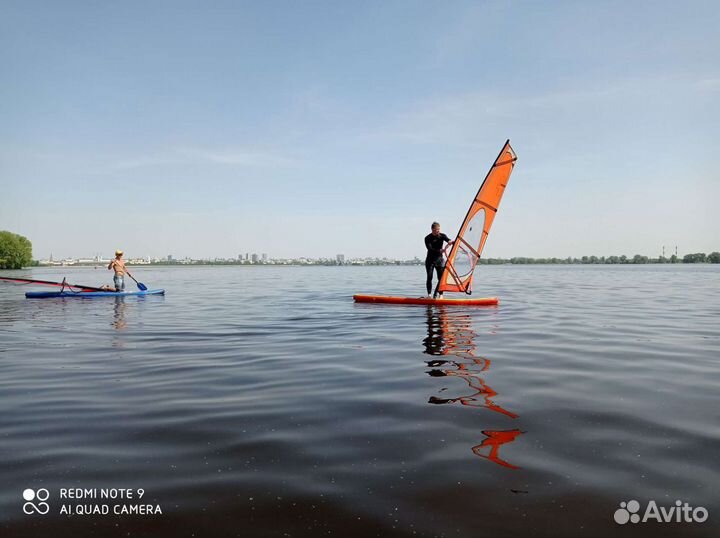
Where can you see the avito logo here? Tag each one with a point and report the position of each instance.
(680, 513)
(40, 495)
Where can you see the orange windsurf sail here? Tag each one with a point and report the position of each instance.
(468, 245)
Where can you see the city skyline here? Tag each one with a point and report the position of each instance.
(312, 130)
(340, 259)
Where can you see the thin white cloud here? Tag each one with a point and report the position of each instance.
(466, 120)
(711, 84)
(239, 157)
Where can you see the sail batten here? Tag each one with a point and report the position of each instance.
(472, 236)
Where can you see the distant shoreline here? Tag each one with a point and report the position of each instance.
(713, 257)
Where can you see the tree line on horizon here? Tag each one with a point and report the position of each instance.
(698, 257)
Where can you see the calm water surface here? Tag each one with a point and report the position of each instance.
(260, 401)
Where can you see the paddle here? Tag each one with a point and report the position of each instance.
(140, 285)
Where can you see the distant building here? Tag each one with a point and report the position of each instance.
(340, 258)
(254, 258)
(170, 257)
(264, 258)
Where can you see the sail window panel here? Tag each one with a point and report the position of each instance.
(466, 257)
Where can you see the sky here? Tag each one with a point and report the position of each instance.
(210, 129)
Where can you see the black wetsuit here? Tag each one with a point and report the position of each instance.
(434, 259)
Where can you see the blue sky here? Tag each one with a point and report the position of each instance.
(315, 128)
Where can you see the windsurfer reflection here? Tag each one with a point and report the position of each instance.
(450, 335)
(434, 259)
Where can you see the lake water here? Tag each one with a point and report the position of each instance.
(261, 401)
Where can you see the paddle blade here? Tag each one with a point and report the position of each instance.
(141, 286)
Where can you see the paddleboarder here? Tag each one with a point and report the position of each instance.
(118, 265)
(434, 260)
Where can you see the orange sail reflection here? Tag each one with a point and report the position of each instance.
(450, 334)
(495, 439)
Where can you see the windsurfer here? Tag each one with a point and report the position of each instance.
(434, 260)
(118, 265)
